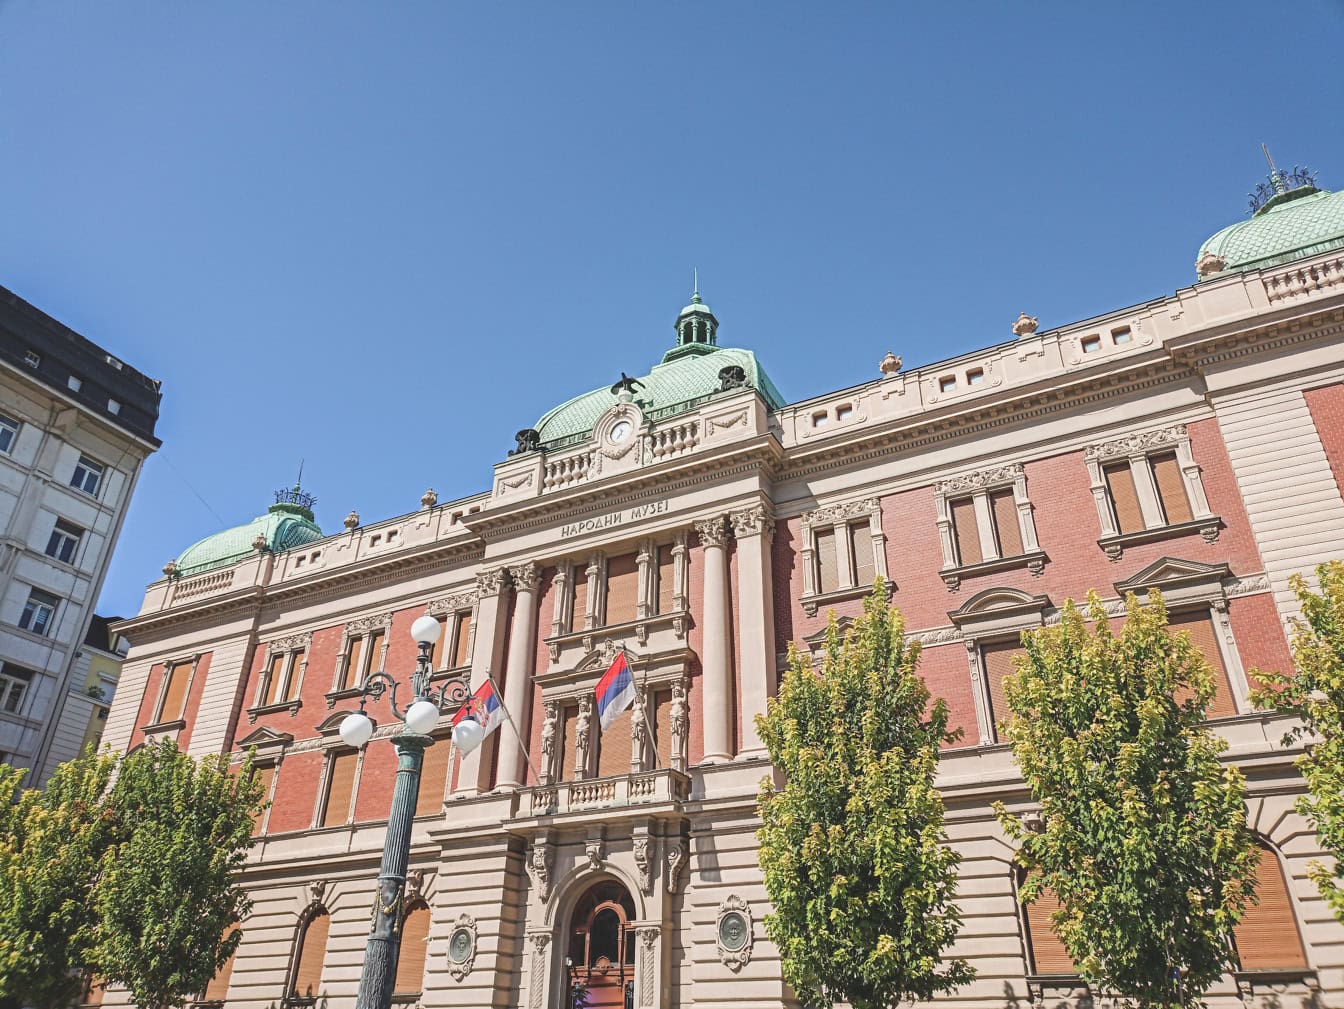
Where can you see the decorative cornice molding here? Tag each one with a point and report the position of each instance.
(997, 476)
(525, 576)
(842, 511)
(292, 643)
(1137, 444)
(463, 600)
(372, 622)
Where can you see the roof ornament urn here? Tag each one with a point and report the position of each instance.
(429, 499)
(889, 365)
(1209, 263)
(352, 520)
(1025, 325)
(260, 543)
(170, 569)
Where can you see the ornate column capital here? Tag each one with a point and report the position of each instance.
(752, 521)
(713, 532)
(490, 582)
(525, 576)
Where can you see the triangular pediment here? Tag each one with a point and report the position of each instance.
(331, 725)
(817, 638)
(1173, 572)
(264, 737)
(1000, 601)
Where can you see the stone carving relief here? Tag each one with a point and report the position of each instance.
(1137, 444)
(829, 515)
(540, 940)
(525, 576)
(1025, 325)
(712, 532)
(317, 890)
(415, 884)
(462, 947)
(639, 724)
(680, 723)
(595, 848)
(363, 625)
(451, 603)
(490, 582)
(734, 932)
(676, 862)
(889, 365)
(713, 424)
(582, 728)
(751, 521)
(644, 858)
(997, 475)
(1210, 263)
(539, 862)
(549, 729)
(291, 643)
(648, 940)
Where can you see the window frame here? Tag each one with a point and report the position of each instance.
(72, 534)
(837, 519)
(990, 617)
(1138, 451)
(33, 606)
(357, 630)
(979, 486)
(88, 466)
(11, 427)
(10, 679)
(289, 699)
(158, 723)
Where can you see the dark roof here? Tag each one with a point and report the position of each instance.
(100, 632)
(63, 353)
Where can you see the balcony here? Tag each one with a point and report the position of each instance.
(646, 788)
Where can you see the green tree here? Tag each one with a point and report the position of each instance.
(853, 847)
(169, 891)
(1144, 838)
(1315, 693)
(51, 846)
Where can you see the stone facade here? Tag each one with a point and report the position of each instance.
(1189, 443)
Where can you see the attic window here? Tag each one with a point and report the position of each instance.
(844, 412)
(947, 383)
(820, 419)
(391, 535)
(74, 383)
(32, 358)
(113, 407)
(1091, 344)
(975, 376)
(1120, 336)
(114, 362)
(375, 539)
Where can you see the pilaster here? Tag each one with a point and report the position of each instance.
(717, 702)
(754, 529)
(491, 626)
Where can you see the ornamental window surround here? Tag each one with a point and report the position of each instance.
(363, 650)
(282, 675)
(339, 787)
(1147, 486)
(171, 705)
(991, 623)
(610, 590)
(39, 612)
(985, 524)
(844, 551)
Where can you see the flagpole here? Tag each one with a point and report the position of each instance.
(499, 696)
(644, 697)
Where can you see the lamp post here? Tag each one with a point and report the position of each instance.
(421, 715)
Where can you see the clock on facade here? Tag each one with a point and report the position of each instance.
(620, 431)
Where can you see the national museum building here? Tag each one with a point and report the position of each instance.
(699, 521)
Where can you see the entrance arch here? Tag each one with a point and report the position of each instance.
(600, 949)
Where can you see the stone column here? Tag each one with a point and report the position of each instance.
(487, 653)
(518, 679)
(716, 682)
(754, 529)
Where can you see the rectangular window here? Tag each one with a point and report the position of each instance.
(1048, 954)
(975, 376)
(113, 407)
(966, 531)
(275, 674)
(1171, 488)
(662, 728)
(354, 657)
(622, 589)
(265, 775)
(1003, 506)
(433, 778)
(1124, 498)
(828, 572)
(947, 383)
(1120, 336)
(14, 681)
(569, 717)
(997, 658)
(820, 419)
(293, 664)
(613, 747)
(39, 613)
(1091, 344)
(1203, 635)
(32, 358)
(844, 412)
(667, 580)
(9, 432)
(462, 639)
(88, 476)
(340, 788)
(861, 554)
(442, 645)
(174, 702)
(74, 383)
(64, 541)
(580, 599)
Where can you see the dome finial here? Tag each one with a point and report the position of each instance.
(695, 286)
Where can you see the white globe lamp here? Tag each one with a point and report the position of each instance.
(426, 630)
(422, 716)
(356, 728)
(467, 734)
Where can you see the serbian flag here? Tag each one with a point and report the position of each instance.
(615, 691)
(485, 707)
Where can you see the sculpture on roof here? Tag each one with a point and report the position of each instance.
(627, 385)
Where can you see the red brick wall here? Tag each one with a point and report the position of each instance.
(947, 671)
(193, 705)
(1327, 413)
(1259, 634)
(546, 598)
(145, 716)
(295, 792)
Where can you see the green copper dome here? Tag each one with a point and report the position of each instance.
(1293, 225)
(688, 374)
(288, 523)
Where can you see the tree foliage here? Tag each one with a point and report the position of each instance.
(1144, 839)
(123, 868)
(853, 846)
(1315, 693)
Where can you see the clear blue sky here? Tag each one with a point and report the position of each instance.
(384, 237)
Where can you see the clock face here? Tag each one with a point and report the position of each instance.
(620, 431)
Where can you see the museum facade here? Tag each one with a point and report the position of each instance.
(694, 518)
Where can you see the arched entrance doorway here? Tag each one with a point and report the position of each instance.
(600, 955)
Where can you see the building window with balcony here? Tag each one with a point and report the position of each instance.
(88, 476)
(1147, 486)
(64, 541)
(9, 433)
(985, 524)
(14, 683)
(39, 612)
(844, 552)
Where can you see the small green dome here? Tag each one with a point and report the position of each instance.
(288, 523)
(686, 376)
(1296, 224)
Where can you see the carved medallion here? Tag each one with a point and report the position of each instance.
(462, 947)
(734, 932)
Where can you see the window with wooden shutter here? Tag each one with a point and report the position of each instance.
(828, 571)
(1004, 507)
(265, 776)
(1171, 488)
(411, 960)
(340, 788)
(461, 638)
(355, 656)
(622, 589)
(662, 727)
(569, 719)
(1267, 936)
(966, 531)
(311, 952)
(175, 693)
(442, 645)
(1199, 625)
(1048, 955)
(580, 608)
(1124, 498)
(373, 654)
(291, 687)
(861, 550)
(218, 988)
(275, 672)
(667, 580)
(433, 778)
(997, 658)
(613, 747)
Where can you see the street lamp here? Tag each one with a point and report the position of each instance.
(380, 956)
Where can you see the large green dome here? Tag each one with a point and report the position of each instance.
(689, 373)
(288, 523)
(1293, 225)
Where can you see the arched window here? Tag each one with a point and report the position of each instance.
(218, 988)
(1045, 951)
(1267, 936)
(601, 954)
(414, 938)
(309, 952)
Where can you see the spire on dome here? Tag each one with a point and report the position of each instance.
(295, 500)
(1282, 186)
(696, 325)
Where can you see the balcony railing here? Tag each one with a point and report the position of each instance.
(662, 785)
